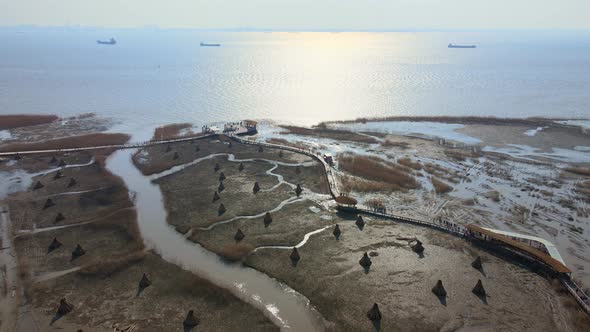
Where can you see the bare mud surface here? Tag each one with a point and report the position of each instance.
(400, 281)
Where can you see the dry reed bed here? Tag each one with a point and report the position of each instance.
(489, 120)
(24, 120)
(407, 162)
(377, 173)
(585, 171)
(440, 187)
(339, 135)
(172, 131)
(89, 140)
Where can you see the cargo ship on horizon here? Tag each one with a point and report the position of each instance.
(461, 46)
(209, 45)
(111, 41)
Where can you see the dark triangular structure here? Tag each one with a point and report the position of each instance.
(365, 261)
(280, 153)
(217, 167)
(59, 217)
(168, 148)
(221, 176)
(298, 190)
(360, 223)
(54, 245)
(53, 160)
(144, 282)
(295, 256)
(176, 156)
(221, 209)
(62, 163)
(229, 145)
(38, 185)
(48, 203)
(64, 307)
(477, 263)
(374, 314)
(241, 167)
(298, 170)
(239, 235)
(439, 289)
(197, 148)
(260, 149)
(78, 252)
(478, 289)
(267, 219)
(221, 187)
(256, 188)
(215, 196)
(72, 182)
(190, 321)
(17, 157)
(418, 247)
(337, 232)
(58, 175)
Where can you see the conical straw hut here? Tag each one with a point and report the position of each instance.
(477, 263)
(295, 255)
(64, 307)
(418, 247)
(190, 321)
(298, 170)
(365, 261)
(280, 153)
(221, 209)
(267, 219)
(239, 235)
(197, 148)
(72, 182)
(360, 223)
(374, 314)
(54, 245)
(78, 252)
(176, 155)
(215, 196)
(241, 167)
(478, 289)
(217, 167)
(38, 185)
(439, 289)
(48, 203)
(298, 190)
(59, 217)
(229, 145)
(221, 176)
(221, 187)
(260, 149)
(256, 188)
(168, 148)
(337, 231)
(62, 163)
(17, 157)
(53, 160)
(58, 175)
(144, 282)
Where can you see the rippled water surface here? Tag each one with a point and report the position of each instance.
(155, 76)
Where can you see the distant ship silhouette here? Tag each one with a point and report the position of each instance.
(210, 45)
(461, 46)
(111, 41)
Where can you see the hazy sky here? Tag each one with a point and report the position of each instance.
(303, 14)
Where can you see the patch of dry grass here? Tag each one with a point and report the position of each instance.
(585, 171)
(410, 163)
(339, 135)
(281, 141)
(24, 120)
(236, 252)
(391, 144)
(172, 131)
(104, 267)
(494, 195)
(440, 187)
(89, 140)
(489, 120)
(378, 170)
